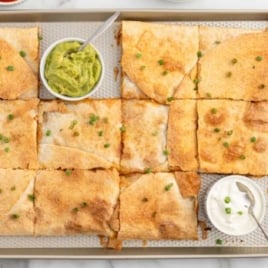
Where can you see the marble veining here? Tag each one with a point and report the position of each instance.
(184, 263)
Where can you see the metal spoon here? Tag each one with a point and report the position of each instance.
(243, 188)
(100, 30)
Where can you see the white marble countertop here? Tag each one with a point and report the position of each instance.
(152, 4)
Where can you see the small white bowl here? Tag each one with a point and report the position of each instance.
(236, 221)
(43, 65)
(11, 3)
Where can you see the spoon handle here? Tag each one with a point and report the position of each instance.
(256, 220)
(101, 29)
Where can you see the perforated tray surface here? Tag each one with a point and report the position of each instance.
(52, 31)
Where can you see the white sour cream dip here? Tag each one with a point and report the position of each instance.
(227, 206)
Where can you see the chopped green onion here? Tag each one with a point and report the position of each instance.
(68, 172)
(31, 197)
(217, 42)
(225, 144)
(218, 241)
(227, 199)
(147, 171)
(196, 81)
(22, 53)
(48, 132)
(6, 139)
(73, 124)
(258, 58)
(166, 152)
(213, 110)
(253, 139)
(40, 37)
(234, 61)
(142, 67)
(123, 128)
(107, 145)
(228, 210)
(165, 72)
(240, 213)
(75, 210)
(155, 133)
(168, 186)
(242, 157)
(93, 119)
(138, 55)
(229, 132)
(100, 133)
(217, 130)
(14, 216)
(10, 117)
(208, 95)
(169, 99)
(6, 149)
(10, 68)
(199, 54)
(161, 62)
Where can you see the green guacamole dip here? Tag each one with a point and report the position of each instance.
(72, 73)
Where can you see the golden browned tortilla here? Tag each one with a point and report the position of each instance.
(19, 52)
(156, 58)
(159, 206)
(233, 137)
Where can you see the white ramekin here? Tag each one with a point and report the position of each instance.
(43, 65)
(234, 178)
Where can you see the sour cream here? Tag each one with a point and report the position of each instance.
(227, 206)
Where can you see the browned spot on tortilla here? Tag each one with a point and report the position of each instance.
(214, 119)
(260, 145)
(234, 151)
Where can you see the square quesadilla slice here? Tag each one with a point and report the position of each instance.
(19, 52)
(76, 202)
(18, 128)
(181, 135)
(16, 202)
(233, 137)
(235, 69)
(159, 206)
(84, 135)
(156, 58)
(144, 137)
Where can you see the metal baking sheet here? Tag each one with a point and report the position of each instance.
(55, 25)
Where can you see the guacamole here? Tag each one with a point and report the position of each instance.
(72, 73)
